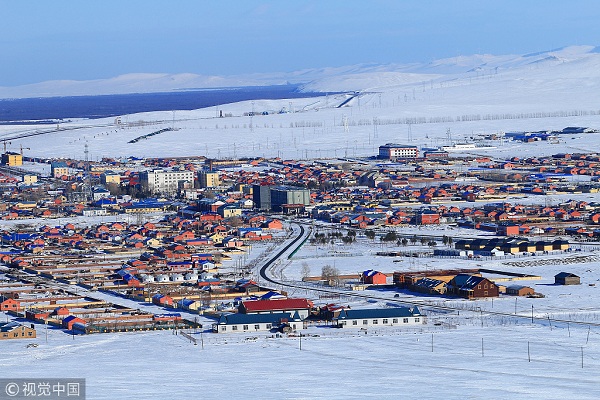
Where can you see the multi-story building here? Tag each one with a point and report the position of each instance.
(110, 177)
(165, 181)
(12, 159)
(287, 195)
(208, 179)
(392, 151)
(261, 195)
(30, 179)
(58, 169)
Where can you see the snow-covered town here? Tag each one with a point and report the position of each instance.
(398, 221)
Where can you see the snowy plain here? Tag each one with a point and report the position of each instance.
(474, 354)
(453, 100)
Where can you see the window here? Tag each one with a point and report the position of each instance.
(343, 322)
(395, 320)
(234, 328)
(224, 328)
(405, 320)
(485, 293)
(245, 327)
(355, 322)
(375, 322)
(385, 321)
(478, 286)
(257, 326)
(365, 322)
(485, 286)
(417, 319)
(268, 326)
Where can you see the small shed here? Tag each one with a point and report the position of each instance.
(566, 278)
(69, 321)
(519, 290)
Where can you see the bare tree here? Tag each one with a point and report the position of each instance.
(305, 271)
(330, 275)
(235, 221)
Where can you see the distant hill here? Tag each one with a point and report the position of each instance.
(574, 62)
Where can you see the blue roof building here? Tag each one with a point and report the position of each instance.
(379, 317)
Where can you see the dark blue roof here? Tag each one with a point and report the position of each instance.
(236, 319)
(19, 236)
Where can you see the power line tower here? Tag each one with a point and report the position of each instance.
(375, 130)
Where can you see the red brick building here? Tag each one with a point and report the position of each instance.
(371, 277)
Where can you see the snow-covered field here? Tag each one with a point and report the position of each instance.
(379, 364)
(502, 94)
(384, 363)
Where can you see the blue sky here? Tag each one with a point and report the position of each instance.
(81, 40)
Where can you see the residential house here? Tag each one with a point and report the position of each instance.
(519, 290)
(162, 300)
(9, 304)
(472, 286)
(69, 321)
(372, 277)
(566, 278)
(15, 330)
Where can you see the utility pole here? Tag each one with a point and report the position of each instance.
(88, 178)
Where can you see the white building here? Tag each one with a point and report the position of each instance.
(94, 212)
(232, 323)
(379, 317)
(392, 151)
(165, 181)
(191, 276)
(147, 278)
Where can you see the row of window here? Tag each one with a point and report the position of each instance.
(485, 286)
(385, 321)
(16, 334)
(245, 327)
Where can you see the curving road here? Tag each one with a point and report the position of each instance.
(263, 270)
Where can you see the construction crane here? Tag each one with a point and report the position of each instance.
(26, 148)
